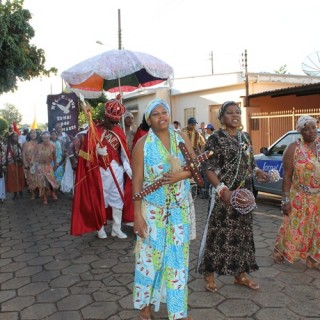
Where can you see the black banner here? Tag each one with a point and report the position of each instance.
(63, 108)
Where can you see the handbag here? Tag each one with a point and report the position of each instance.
(67, 179)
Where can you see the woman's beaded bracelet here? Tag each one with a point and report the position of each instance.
(221, 187)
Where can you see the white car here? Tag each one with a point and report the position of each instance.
(271, 158)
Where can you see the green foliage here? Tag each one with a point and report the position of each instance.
(11, 114)
(282, 70)
(19, 59)
(3, 126)
(43, 126)
(97, 110)
(97, 113)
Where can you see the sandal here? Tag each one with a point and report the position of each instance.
(244, 280)
(210, 284)
(312, 263)
(278, 257)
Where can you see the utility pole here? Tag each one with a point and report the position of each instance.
(211, 59)
(246, 79)
(119, 30)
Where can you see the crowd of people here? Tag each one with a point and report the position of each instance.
(120, 169)
(33, 160)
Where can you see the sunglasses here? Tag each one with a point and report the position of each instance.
(114, 122)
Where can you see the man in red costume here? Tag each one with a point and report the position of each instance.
(103, 178)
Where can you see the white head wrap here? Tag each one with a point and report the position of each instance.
(127, 114)
(153, 104)
(303, 121)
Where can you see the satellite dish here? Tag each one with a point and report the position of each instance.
(311, 64)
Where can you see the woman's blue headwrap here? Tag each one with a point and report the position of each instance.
(152, 105)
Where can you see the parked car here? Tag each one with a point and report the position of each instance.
(271, 158)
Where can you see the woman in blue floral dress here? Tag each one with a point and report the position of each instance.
(162, 218)
(60, 155)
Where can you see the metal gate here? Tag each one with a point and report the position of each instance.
(267, 127)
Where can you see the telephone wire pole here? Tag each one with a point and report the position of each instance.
(119, 30)
(211, 59)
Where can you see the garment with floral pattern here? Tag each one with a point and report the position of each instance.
(43, 167)
(28, 149)
(162, 258)
(299, 233)
(228, 245)
(58, 173)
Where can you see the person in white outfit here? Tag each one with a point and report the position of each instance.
(114, 162)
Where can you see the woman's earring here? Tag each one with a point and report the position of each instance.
(240, 128)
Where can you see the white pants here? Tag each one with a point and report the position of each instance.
(111, 194)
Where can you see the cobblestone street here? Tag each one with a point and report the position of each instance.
(47, 274)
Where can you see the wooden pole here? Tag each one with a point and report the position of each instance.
(246, 77)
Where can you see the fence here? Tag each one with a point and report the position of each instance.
(267, 127)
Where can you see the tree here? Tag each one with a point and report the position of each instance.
(42, 126)
(282, 70)
(19, 59)
(3, 126)
(97, 110)
(11, 114)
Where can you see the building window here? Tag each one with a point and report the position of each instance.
(255, 124)
(188, 113)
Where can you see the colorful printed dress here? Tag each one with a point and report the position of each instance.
(299, 233)
(2, 176)
(227, 246)
(43, 169)
(162, 258)
(28, 150)
(59, 156)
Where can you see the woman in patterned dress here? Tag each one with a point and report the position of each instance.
(3, 149)
(45, 154)
(128, 122)
(28, 149)
(14, 167)
(299, 233)
(227, 246)
(162, 218)
(60, 155)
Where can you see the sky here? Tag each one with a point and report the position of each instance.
(182, 33)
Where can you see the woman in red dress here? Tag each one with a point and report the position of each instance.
(14, 167)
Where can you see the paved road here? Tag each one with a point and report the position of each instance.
(47, 274)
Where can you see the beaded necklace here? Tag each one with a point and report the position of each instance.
(238, 157)
(318, 150)
(307, 148)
